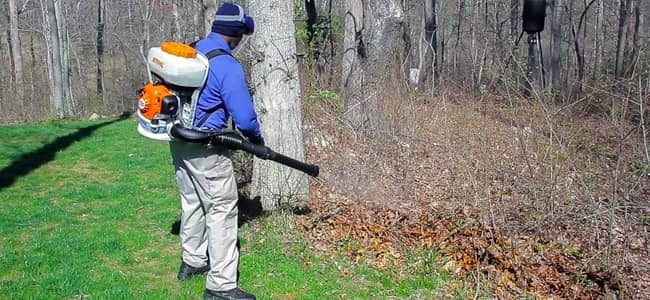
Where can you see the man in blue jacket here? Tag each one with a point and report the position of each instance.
(205, 175)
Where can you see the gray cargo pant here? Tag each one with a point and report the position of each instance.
(209, 211)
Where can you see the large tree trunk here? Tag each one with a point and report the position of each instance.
(177, 33)
(147, 15)
(621, 41)
(372, 42)
(621, 37)
(57, 42)
(16, 51)
(277, 99)
(599, 41)
(636, 38)
(66, 76)
(55, 62)
(209, 10)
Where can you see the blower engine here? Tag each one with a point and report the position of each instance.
(177, 74)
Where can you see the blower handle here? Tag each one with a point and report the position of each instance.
(232, 140)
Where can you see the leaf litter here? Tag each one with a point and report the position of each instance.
(495, 201)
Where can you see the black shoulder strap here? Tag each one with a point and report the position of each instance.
(210, 55)
(216, 52)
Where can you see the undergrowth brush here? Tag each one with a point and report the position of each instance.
(526, 197)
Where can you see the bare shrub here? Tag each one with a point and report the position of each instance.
(546, 174)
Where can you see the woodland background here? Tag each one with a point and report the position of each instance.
(532, 184)
(587, 47)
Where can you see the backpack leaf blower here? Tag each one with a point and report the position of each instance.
(166, 107)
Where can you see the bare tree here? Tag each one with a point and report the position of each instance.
(636, 38)
(15, 50)
(459, 29)
(147, 16)
(277, 97)
(209, 10)
(621, 38)
(100, 51)
(599, 39)
(515, 19)
(177, 33)
(55, 63)
(604, 43)
(431, 43)
(372, 42)
(580, 54)
(64, 34)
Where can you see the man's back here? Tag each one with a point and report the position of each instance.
(225, 93)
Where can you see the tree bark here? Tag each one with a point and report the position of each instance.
(515, 20)
(431, 41)
(100, 52)
(209, 10)
(599, 40)
(16, 52)
(66, 76)
(459, 28)
(372, 43)
(147, 14)
(277, 101)
(177, 34)
(636, 46)
(54, 58)
(621, 37)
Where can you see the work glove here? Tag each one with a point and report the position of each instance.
(259, 140)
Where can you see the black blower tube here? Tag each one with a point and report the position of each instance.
(234, 141)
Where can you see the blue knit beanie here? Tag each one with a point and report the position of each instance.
(231, 21)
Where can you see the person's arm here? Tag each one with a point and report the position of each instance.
(238, 101)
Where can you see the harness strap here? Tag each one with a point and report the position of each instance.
(216, 52)
(210, 55)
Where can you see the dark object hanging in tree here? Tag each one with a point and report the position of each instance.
(534, 15)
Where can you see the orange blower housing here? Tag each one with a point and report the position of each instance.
(151, 99)
(157, 110)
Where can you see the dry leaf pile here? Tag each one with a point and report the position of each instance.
(502, 207)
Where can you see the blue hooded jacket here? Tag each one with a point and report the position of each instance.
(225, 93)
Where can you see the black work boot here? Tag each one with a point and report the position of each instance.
(234, 294)
(188, 271)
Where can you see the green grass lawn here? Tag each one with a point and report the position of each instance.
(87, 211)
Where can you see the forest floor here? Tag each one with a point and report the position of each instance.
(522, 199)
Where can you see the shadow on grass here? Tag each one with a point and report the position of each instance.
(249, 209)
(31, 161)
